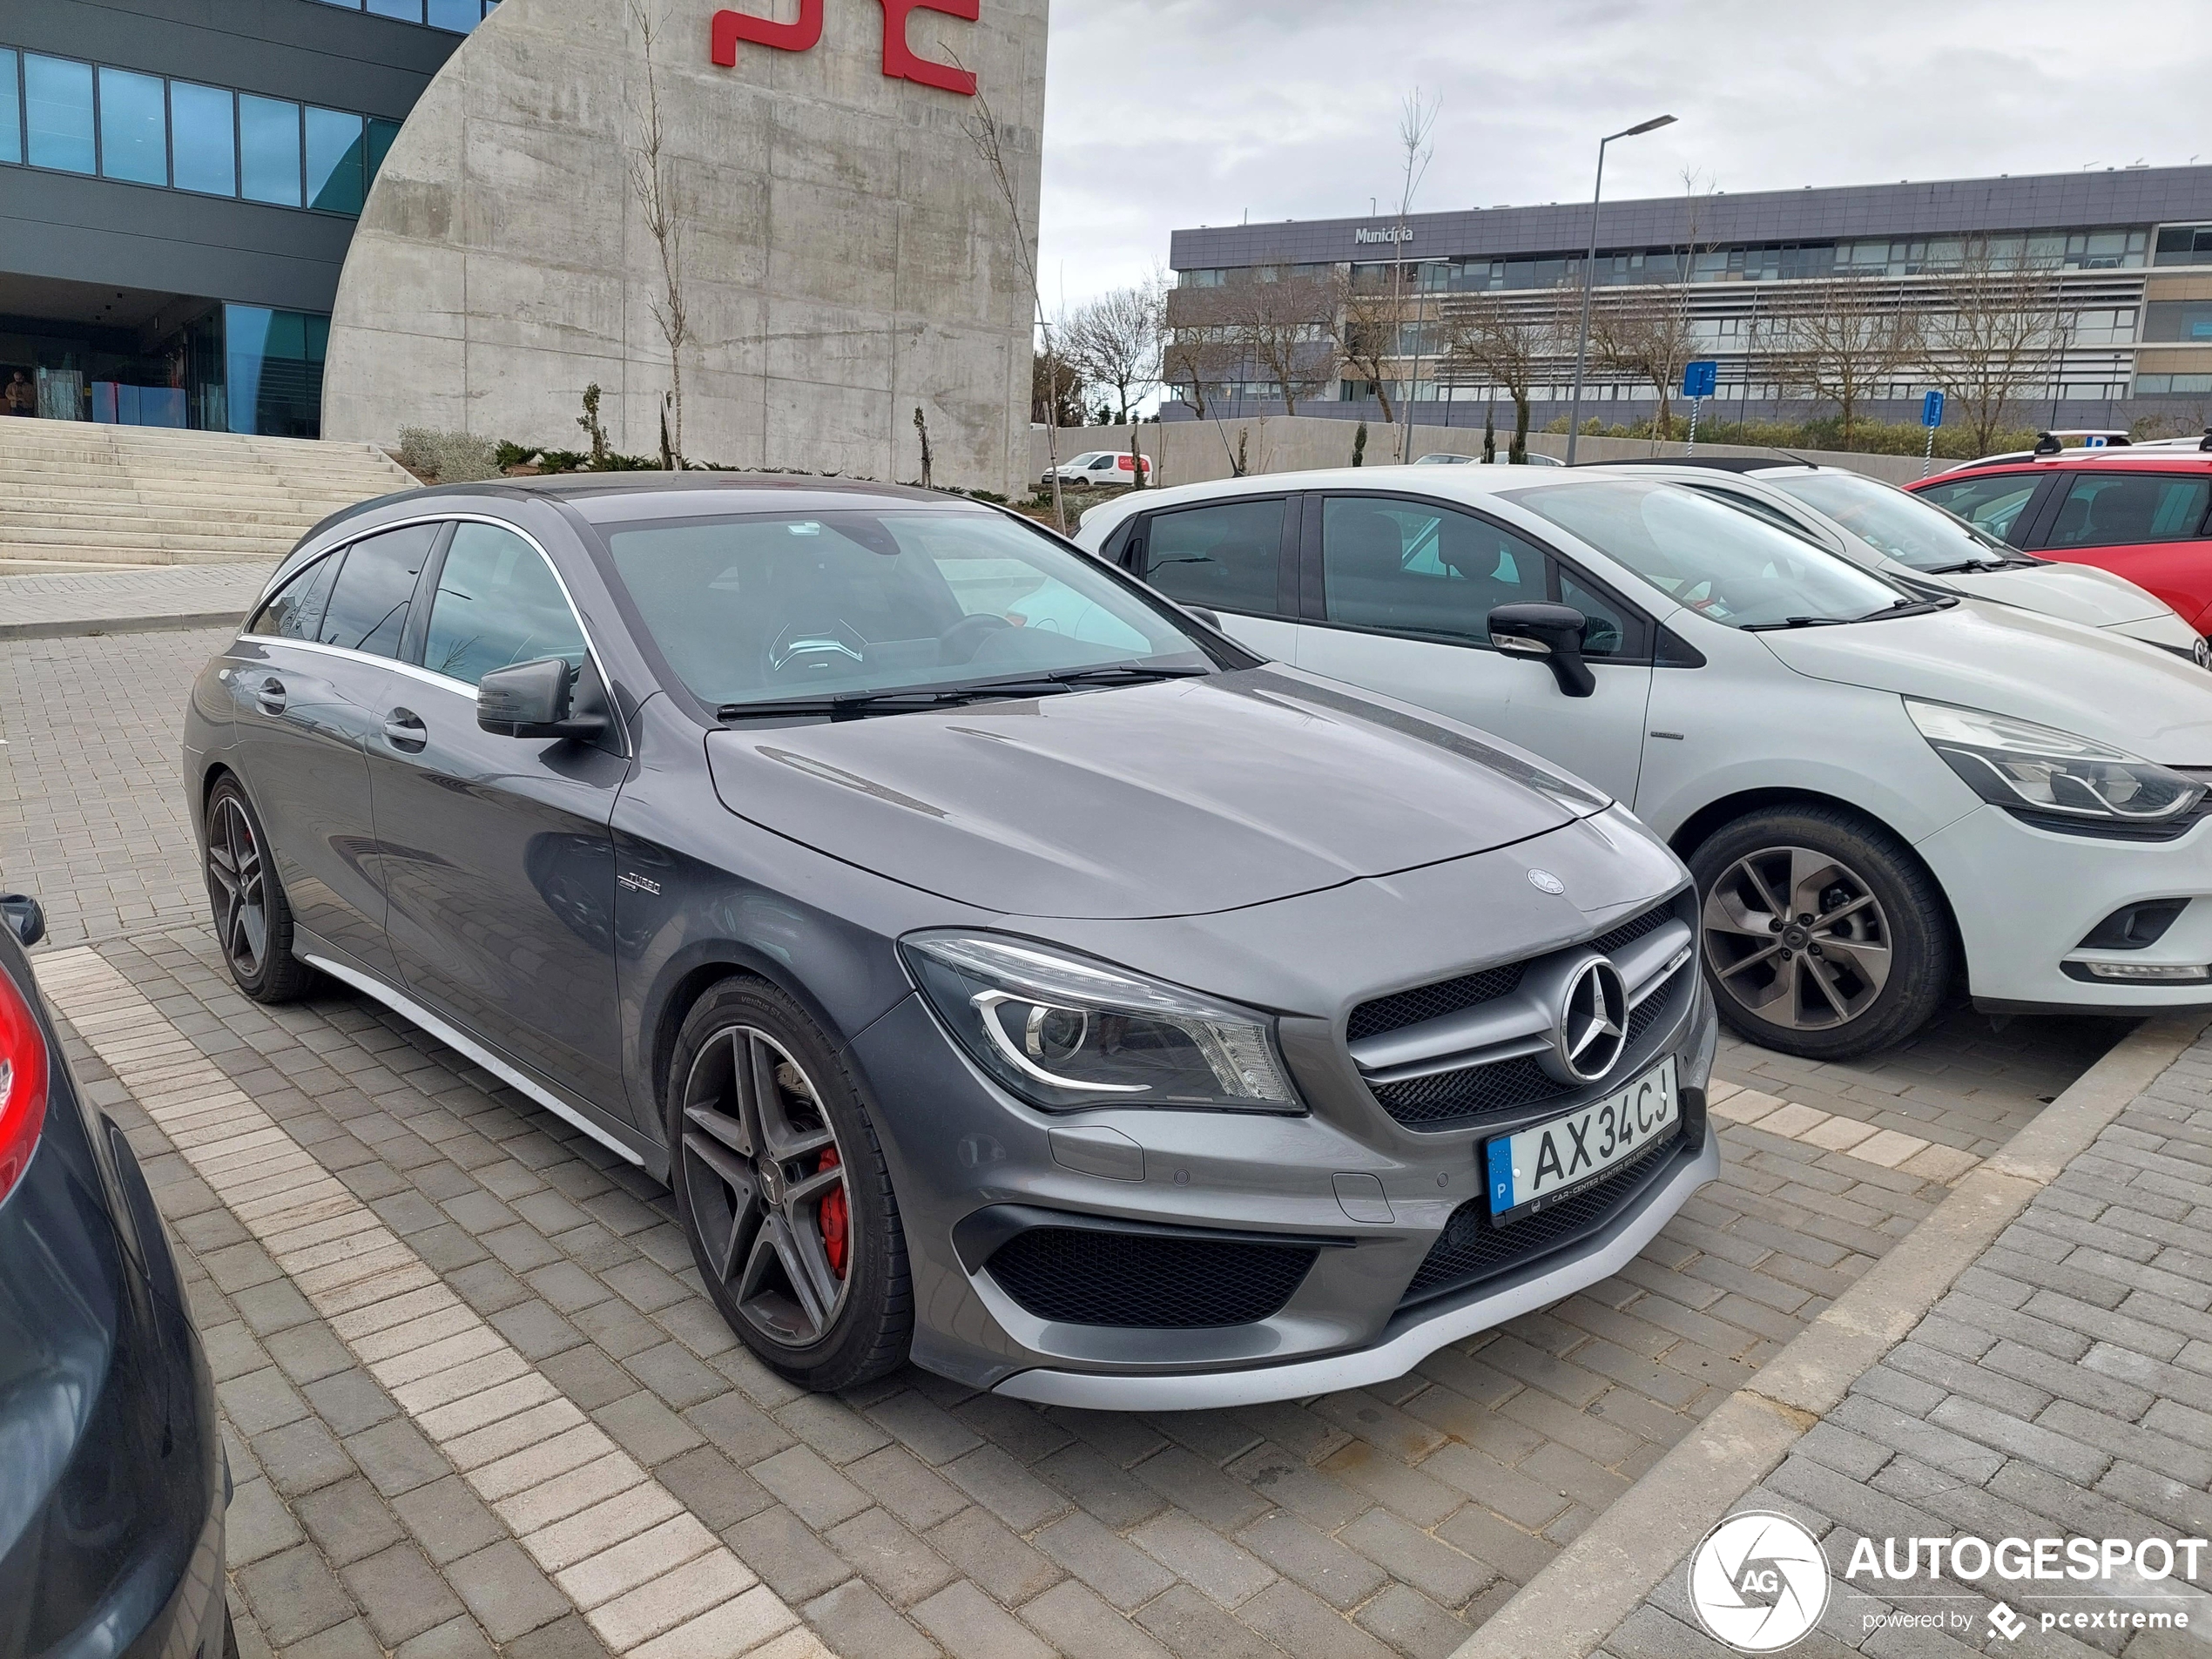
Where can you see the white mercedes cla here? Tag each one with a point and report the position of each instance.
(1878, 790)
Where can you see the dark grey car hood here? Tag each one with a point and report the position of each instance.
(1178, 798)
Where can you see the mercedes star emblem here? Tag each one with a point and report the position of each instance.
(1545, 881)
(1593, 1020)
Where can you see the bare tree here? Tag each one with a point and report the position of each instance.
(1279, 324)
(650, 183)
(1114, 341)
(983, 133)
(1647, 330)
(1056, 392)
(1996, 338)
(1516, 342)
(1416, 120)
(1363, 321)
(1847, 339)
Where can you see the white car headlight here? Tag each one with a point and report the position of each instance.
(1068, 1034)
(2035, 770)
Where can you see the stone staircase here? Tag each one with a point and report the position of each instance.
(77, 494)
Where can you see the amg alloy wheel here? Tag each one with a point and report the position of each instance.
(1822, 934)
(768, 1186)
(252, 921)
(782, 1187)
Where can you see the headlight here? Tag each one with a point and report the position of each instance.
(1070, 1035)
(2029, 768)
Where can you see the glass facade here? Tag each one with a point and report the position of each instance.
(142, 129)
(273, 365)
(2184, 244)
(456, 17)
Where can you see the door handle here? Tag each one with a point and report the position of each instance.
(403, 729)
(270, 695)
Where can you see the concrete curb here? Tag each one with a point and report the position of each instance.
(88, 627)
(1570, 1607)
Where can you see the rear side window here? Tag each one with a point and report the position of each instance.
(497, 605)
(294, 611)
(367, 609)
(1229, 556)
(2115, 509)
(1990, 501)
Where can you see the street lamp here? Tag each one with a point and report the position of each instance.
(1589, 278)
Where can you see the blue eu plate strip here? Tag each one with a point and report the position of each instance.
(1500, 1175)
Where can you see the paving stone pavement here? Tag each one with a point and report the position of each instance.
(83, 601)
(910, 1517)
(2062, 1387)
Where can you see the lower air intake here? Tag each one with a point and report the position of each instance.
(1077, 1275)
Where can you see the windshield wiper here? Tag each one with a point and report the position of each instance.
(846, 706)
(1965, 565)
(1797, 622)
(1127, 674)
(1902, 608)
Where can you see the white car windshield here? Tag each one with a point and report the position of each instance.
(885, 607)
(1725, 565)
(1909, 530)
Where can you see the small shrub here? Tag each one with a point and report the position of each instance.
(513, 454)
(448, 457)
(562, 460)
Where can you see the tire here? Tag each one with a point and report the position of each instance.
(752, 1072)
(1873, 966)
(252, 921)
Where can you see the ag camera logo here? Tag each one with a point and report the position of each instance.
(1758, 1583)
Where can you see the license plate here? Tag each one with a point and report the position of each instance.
(1537, 1167)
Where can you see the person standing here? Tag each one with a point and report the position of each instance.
(22, 396)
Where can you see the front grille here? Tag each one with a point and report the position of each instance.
(1471, 1250)
(1451, 1097)
(1431, 1001)
(1628, 932)
(1079, 1276)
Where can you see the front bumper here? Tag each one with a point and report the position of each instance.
(2025, 897)
(963, 1151)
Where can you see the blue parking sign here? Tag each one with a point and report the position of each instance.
(1932, 409)
(1698, 379)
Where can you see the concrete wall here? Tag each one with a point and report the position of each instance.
(849, 256)
(1190, 452)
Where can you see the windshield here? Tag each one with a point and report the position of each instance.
(1725, 565)
(1909, 530)
(766, 608)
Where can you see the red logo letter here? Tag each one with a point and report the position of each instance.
(731, 27)
(898, 60)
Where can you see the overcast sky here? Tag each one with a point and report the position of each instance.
(1167, 113)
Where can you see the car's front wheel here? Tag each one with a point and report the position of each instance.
(783, 1190)
(1822, 934)
(252, 921)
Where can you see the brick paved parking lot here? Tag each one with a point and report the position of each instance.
(477, 1402)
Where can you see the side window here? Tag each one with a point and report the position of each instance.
(497, 605)
(294, 611)
(1615, 631)
(1229, 556)
(367, 609)
(1991, 503)
(1410, 568)
(2115, 508)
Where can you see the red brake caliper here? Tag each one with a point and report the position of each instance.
(834, 1219)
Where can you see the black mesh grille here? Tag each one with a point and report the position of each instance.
(1628, 932)
(1471, 1250)
(1430, 1001)
(1453, 1096)
(1082, 1277)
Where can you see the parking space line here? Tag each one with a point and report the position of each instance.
(1891, 1149)
(581, 1507)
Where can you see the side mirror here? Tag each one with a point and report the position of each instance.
(1552, 632)
(1207, 617)
(24, 918)
(532, 700)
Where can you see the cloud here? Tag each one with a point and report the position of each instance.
(1167, 113)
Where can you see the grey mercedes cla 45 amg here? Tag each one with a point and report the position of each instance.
(1003, 968)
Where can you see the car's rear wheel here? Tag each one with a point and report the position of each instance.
(783, 1190)
(252, 921)
(1822, 934)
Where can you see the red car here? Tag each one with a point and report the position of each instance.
(2143, 512)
